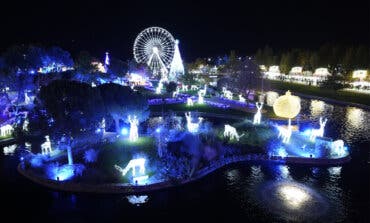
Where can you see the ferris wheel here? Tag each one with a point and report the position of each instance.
(155, 46)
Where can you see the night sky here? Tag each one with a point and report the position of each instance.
(204, 28)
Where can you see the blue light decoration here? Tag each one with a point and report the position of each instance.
(158, 130)
(64, 172)
(282, 152)
(124, 131)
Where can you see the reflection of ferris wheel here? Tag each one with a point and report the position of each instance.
(155, 46)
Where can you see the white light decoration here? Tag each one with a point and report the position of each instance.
(137, 200)
(134, 131)
(185, 87)
(6, 130)
(9, 149)
(200, 98)
(263, 68)
(287, 106)
(257, 116)
(321, 72)
(296, 70)
(93, 84)
(106, 61)
(317, 107)
(155, 46)
(320, 131)
(285, 132)
(189, 102)
(241, 98)
(46, 146)
(227, 94)
(158, 90)
(192, 126)
(177, 67)
(294, 196)
(25, 125)
(337, 148)
(27, 99)
(194, 87)
(271, 97)
(132, 165)
(175, 93)
(274, 69)
(231, 132)
(99, 66)
(360, 74)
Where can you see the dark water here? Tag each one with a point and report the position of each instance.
(243, 192)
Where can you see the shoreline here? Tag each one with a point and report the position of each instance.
(129, 189)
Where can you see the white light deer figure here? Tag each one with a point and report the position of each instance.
(159, 87)
(194, 87)
(184, 87)
(231, 132)
(320, 131)
(134, 131)
(46, 146)
(285, 133)
(27, 99)
(257, 116)
(189, 102)
(241, 98)
(192, 127)
(175, 93)
(132, 165)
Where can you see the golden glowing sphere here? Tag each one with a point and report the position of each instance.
(287, 106)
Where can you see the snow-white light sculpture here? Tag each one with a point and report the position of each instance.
(134, 130)
(46, 146)
(158, 90)
(9, 149)
(284, 133)
(106, 61)
(175, 93)
(320, 131)
(227, 94)
(194, 87)
(231, 132)
(27, 99)
(360, 74)
(25, 125)
(287, 106)
(6, 130)
(189, 102)
(200, 98)
(140, 162)
(185, 87)
(192, 126)
(271, 97)
(337, 148)
(155, 46)
(241, 98)
(177, 67)
(257, 116)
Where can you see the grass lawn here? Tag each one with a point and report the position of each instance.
(196, 107)
(5, 137)
(339, 95)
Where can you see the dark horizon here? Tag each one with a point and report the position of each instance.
(204, 29)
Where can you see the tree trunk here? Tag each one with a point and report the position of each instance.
(70, 157)
(116, 121)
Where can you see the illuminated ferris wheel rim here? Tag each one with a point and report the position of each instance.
(154, 42)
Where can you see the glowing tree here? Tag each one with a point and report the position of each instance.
(177, 67)
(76, 110)
(287, 106)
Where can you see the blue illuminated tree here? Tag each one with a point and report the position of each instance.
(121, 101)
(75, 108)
